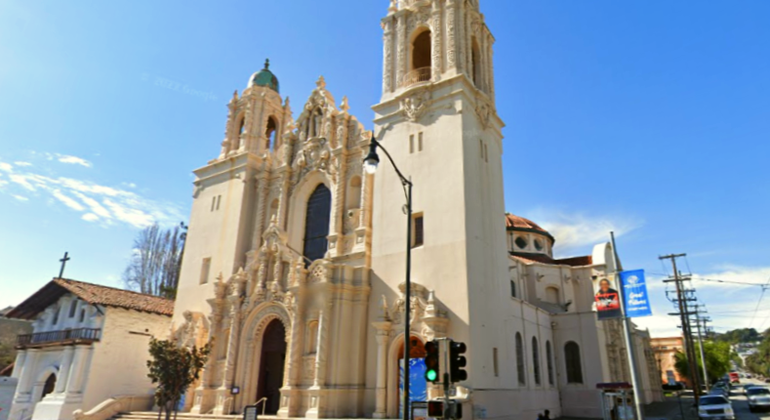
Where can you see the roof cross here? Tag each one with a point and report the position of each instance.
(63, 263)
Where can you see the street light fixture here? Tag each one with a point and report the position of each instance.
(371, 162)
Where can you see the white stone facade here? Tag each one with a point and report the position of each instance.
(59, 374)
(328, 332)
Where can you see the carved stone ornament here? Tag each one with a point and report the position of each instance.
(415, 105)
(484, 112)
(193, 332)
(315, 155)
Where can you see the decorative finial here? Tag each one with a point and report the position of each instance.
(344, 106)
(267, 63)
(393, 7)
(321, 83)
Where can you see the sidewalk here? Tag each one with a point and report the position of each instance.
(664, 410)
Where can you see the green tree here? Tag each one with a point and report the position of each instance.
(174, 368)
(759, 362)
(718, 355)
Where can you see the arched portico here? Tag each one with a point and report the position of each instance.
(260, 334)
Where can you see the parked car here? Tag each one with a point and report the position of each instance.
(715, 407)
(759, 397)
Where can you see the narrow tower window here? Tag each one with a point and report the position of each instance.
(319, 207)
(520, 360)
(271, 134)
(536, 360)
(419, 233)
(475, 63)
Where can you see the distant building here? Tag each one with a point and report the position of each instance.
(9, 329)
(88, 343)
(665, 348)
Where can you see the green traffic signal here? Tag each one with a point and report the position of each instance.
(431, 375)
(431, 361)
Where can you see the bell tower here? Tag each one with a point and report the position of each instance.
(437, 118)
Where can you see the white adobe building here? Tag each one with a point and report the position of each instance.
(295, 257)
(89, 343)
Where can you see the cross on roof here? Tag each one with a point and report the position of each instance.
(64, 263)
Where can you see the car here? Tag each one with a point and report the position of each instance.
(767, 380)
(759, 397)
(715, 407)
(747, 387)
(720, 389)
(748, 376)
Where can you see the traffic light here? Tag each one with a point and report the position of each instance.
(431, 361)
(457, 361)
(436, 409)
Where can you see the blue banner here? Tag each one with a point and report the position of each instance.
(636, 301)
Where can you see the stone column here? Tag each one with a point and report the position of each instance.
(491, 69)
(468, 43)
(26, 372)
(232, 342)
(259, 222)
(401, 45)
(437, 56)
(78, 369)
(21, 356)
(383, 338)
(323, 345)
(387, 56)
(64, 369)
(451, 26)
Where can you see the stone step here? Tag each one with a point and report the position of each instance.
(153, 415)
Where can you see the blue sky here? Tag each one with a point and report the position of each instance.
(648, 117)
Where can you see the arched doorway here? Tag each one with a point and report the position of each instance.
(50, 385)
(271, 365)
(417, 384)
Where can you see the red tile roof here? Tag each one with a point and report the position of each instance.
(545, 259)
(93, 294)
(513, 222)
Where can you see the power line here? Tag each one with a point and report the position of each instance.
(761, 295)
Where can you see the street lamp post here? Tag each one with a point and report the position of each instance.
(371, 162)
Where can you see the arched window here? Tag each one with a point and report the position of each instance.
(520, 360)
(242, 126)
(49, 386)
(273, 211)
(421, 57)
(271, 133)
(475, 63)
(572, 362)
(552, 295)
(354, 193)
(319, 207)
(549, 361)
(536, 360)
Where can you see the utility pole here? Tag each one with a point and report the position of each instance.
(684, 316)
(700, 344)
(629, 339)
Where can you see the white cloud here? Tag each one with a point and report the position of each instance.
(577, 230)
(730, 274)
(659, 325)
(22, 164)
(90, 217)
(73, 160)
(96, 202)
(69, 202)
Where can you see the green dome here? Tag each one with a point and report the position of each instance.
(265, 77)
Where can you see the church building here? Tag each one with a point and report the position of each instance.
(295, 256)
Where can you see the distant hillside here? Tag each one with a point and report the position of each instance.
(9, 329)
(741, 335)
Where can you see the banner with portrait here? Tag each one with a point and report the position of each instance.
(606, 299)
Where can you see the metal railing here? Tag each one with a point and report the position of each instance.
(79, 335)
(262, 400)
(416, 76)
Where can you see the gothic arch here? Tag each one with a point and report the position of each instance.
(298, 206)
(251, 343)
(392, 370)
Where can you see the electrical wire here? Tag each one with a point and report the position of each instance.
(761, 295)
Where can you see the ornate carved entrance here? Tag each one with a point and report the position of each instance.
(271, 365)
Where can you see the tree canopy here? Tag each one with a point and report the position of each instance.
(156, 261)
(718, 355)
(174, 368)
(741, 335)
(759, 362)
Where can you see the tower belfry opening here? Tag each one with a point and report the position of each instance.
(420, 69)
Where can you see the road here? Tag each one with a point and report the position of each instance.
(741, 406)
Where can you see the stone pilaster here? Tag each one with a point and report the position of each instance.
(21, 357)
(401, 42)
(387, 56)
(436, 49)
(232, 342)
(382, 331)
(451, 43)
(64, 370)
(78, 369)
(323, 344)
(259, 221)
